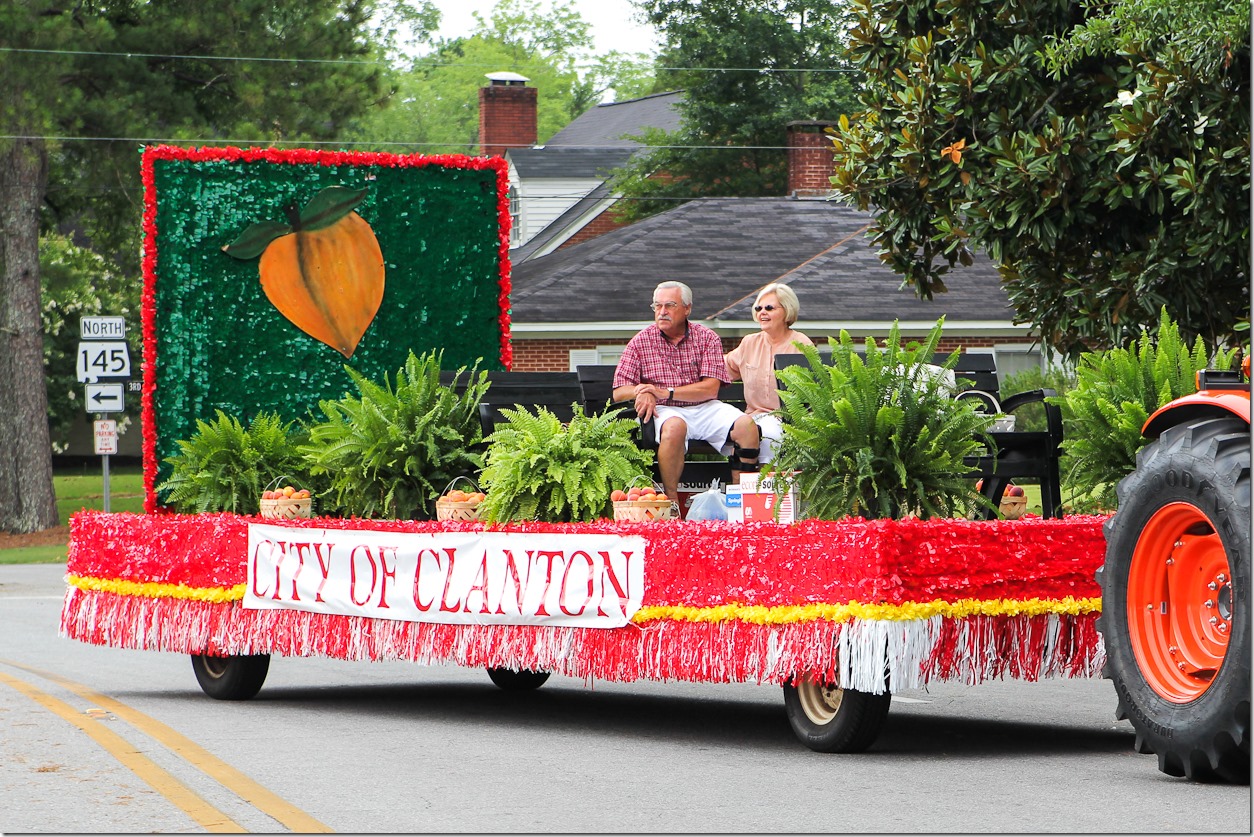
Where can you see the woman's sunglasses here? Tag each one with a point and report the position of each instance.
(758, 308)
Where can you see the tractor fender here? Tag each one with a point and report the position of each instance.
(1199, 405)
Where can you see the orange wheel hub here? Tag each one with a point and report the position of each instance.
(1179, 602)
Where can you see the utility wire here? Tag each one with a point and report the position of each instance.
(370, 143)
(416, 63)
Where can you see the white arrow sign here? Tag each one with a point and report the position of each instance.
(105, 398)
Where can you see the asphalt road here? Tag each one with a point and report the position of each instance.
(98, 739)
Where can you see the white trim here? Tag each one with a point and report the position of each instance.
(570, 230)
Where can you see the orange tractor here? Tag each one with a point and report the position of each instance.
(1176, 584)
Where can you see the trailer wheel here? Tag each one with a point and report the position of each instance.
(1175, 600)
(231, 678)
(517, 681)
(829, 719)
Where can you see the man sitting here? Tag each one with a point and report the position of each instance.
(672, 371)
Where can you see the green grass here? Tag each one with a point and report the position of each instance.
(35, 555)
(80, 489)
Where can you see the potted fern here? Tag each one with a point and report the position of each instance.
(1115, 392)
(389, 451)
(877, 438)
(538, 468)
(226, 465)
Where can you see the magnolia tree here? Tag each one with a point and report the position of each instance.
(1100, 157)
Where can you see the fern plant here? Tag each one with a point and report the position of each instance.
(880, 437)
(1115, 393)
(390, 451)
(540, 469)
(225, 466)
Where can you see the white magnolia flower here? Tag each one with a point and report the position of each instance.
(1127, 97)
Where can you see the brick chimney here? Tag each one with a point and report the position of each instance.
(507, 114)
(810, 164)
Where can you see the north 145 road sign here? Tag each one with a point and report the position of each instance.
(103, 361)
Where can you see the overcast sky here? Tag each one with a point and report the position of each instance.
(612, 23)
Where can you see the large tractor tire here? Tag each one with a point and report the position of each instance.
(1176, 600)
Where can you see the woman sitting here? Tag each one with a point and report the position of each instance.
(753, 361)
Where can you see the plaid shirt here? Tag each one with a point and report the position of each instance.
(652, 359)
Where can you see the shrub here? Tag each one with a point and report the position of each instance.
(539, 469)
(1115, 393)
(225, 466)
(878, 438)
(391, 451)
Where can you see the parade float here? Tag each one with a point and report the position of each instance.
(840, 613)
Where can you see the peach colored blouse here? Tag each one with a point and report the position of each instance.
(753, 362)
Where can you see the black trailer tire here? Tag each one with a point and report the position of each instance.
(231, 678)
(829, 719)
(1176, 600)
(517, 681)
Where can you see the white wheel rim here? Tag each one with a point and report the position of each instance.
(820, 702)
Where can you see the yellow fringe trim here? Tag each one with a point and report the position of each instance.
(910, 611)
(153, 590)
(752, 614)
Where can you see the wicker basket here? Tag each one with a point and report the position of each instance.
(450, 510)
(1012, 508)
(461, 510)
(287, 508)
(642, 511)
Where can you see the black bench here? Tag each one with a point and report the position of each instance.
(556, 392)
(597, 383)
(1015, 454)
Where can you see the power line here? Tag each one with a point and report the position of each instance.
(370, 143)
(417, 63)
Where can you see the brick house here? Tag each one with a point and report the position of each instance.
(582, 303)
(558, 191)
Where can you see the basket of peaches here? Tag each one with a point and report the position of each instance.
(286, 502)
(641, 504)
(459, 504)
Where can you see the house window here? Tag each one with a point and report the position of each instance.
(600, 356)
(515, 216)
(1013, 358)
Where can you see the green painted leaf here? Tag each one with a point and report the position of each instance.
(329, 206)
(253, 241)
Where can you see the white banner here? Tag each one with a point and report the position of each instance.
(469, 578)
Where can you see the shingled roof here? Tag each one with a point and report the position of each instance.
(609, 124)
(725, 249)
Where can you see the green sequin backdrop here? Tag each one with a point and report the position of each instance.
(221, 344)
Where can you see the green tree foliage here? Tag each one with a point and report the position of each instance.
(748, 68)
(1107, 182)
(84, 85)
(434, 106)
(1115, 393)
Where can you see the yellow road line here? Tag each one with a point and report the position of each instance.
(162, 782)
(263, 800)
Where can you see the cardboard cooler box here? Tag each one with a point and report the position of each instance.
(754, 501)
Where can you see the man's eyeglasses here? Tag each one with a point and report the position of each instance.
(758, 308)
(669, 306)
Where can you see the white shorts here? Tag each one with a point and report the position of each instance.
(709, 421)
(771, 429)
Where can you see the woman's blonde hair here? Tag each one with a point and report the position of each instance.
(787, 299)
